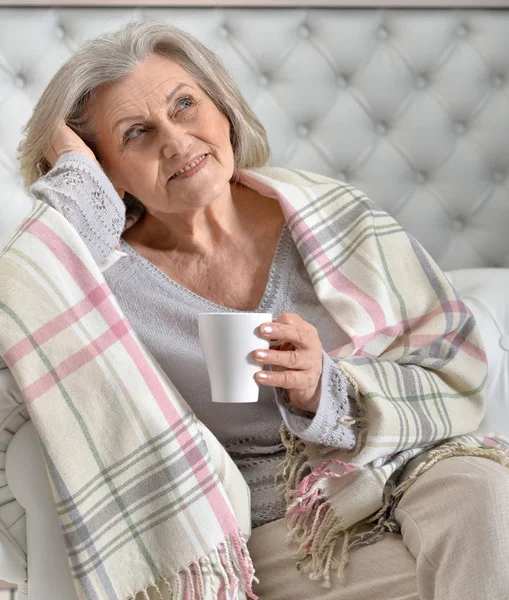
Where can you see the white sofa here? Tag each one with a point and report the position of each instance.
(409, 106)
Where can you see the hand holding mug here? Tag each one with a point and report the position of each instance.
(296, 362)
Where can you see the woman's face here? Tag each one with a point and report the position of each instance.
(162, 139)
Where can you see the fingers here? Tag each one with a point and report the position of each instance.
(291, 359)
(296, 360)
(66, 140)
(288, 380)
(291, 328)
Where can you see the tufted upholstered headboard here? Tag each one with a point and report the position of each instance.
(410, 106)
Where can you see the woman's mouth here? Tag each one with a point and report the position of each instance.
(191, 169)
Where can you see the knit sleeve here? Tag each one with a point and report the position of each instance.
(79, 189)
(333, 424)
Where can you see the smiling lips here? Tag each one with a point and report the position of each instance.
(189, 167)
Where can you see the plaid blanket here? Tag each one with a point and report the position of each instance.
(140, 505)
(414, 359)
(137, 498)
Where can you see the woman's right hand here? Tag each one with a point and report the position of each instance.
(66, 140)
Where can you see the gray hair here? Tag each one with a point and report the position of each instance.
(112, 57)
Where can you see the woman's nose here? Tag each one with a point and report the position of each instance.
(175, 141)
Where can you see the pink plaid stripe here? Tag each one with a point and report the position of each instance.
(84, 278)
(339, 281)
(75, 362)
(58, 324)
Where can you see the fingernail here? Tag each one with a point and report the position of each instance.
(262, 375)
(261, 354)
(267, 329)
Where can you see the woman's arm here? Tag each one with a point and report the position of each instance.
(331, 424)
(415, 361)
(80, 190)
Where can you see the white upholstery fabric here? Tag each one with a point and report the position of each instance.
(410, 106)
(13, 537)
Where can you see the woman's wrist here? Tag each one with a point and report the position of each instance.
(64, 151)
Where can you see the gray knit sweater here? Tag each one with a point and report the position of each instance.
(164, 315)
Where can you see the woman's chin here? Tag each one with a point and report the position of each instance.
(198, 191)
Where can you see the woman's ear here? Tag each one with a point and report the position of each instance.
(120, 192)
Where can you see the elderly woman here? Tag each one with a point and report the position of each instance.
(168, 167)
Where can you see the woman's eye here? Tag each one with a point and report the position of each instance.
(133, 133)
(184, 103)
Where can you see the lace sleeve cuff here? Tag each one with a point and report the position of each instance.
(79, 189)
(326, 426)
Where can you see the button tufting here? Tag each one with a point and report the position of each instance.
(421, 82)
(263, 80)
(499, 176)
(381, 128)
(460, 128)
(458, 225)
(223, 32)
(497, 81)
(504, 342)
(303, 131)
(304, 32)
(342, 81)
(461, 31)
(382, 33)
(420, 177)
(19, 81)
(59, 32)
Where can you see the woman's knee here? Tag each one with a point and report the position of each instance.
(466, 488)
(487, 497)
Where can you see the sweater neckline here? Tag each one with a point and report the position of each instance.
(267, 301)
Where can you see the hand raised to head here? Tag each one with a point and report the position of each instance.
(66, 140)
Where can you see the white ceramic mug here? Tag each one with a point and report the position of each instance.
(228, 341)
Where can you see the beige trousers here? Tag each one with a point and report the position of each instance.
(454, 544)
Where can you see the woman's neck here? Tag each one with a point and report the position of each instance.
(202, 231)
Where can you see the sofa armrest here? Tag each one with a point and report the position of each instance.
(13, 542)
(13, 562)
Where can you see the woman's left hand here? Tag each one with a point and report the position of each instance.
(296, 361)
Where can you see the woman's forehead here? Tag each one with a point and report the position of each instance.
(156, 79)
(151, 75)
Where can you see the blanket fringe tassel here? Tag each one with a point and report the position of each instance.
(222, 574)
(315, 526)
